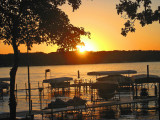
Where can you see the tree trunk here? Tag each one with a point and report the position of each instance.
(12, 100)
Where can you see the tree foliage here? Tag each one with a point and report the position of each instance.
(139, 10)
(38, 21)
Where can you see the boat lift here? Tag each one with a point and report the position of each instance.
(3, 85)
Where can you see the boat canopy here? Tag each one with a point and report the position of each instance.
(112, 77)
(98, 73)
(144, 78)
(4, 79)
(118, 79)
(107, 79)
(57, 80)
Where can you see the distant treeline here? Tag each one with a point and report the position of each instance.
(66, 58)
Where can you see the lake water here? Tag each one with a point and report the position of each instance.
(37, 74)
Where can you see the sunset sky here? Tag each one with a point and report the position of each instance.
(100, 18)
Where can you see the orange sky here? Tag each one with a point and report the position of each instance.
(101, 19)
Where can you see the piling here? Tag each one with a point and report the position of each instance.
(78, 74)
(1, 94)
(52, 110)
(159, 101)
(16, 90)
(40, 97)
(31, 105)
(43, 88)
(136, 91)
(147, 71)
(38, 84)
(48, 89)
(155, 90)
(26, 90)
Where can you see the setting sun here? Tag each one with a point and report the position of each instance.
(86, 47)
(81, 48)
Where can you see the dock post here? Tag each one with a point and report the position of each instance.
(119, 95)
(58, 91)
(48, 88)
(42, 116)
(63, 91)
(51, 110)
(159, 101)
(136, 91)
(147, 71)
(1, 94)
(43, 88)
(62, 115)
(16, 90)
(133, 91)
(31, 105)
(86, 87)
(69, 87)
(26, 89)
(41, 100)
(91, 95)
(155, 90)
(51, 92)
(38, 84)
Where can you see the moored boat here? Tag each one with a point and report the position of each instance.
(61, 82)
(108, 84)
(4, 84)
(113, 78)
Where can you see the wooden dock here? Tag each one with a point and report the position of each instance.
(72, 85)
(72, 108)
(81, 84)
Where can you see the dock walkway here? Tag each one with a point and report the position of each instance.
(71, 108)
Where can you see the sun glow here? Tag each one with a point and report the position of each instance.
(81, 48)
(87, 47)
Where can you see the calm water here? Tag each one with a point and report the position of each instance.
(37, 74)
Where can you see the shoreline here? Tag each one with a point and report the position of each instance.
(80, 64)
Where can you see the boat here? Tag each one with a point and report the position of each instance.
(106, 87)
(61, 82)
(113, 78)
(4, 84)
(108, 84)
(76, 101)
(105, 82)
(57, 104)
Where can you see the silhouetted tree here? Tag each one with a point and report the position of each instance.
(140, 10)
(34, 22)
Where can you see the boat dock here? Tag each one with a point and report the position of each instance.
(79, 108)
(96, 94)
